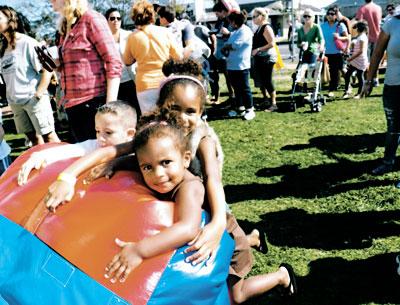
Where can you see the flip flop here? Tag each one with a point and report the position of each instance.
(290, 290)
(263, 247)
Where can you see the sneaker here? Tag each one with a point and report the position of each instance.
(28, 143)
(242, 111)
(382, 169)
(375, 82)
(249, 115)
(331, 94)
(357, 97)
(272, 108)
(232, 113)
(346, 96)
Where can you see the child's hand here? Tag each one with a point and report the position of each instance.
(59, 192)
(205, 244)
(124, 262)
(37, 161)
(101, 170)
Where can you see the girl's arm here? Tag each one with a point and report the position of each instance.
(63, 188)
(189, 200)
(208, 240)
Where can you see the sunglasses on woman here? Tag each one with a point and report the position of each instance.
(331, 14)
(114, 18)
(306, 16)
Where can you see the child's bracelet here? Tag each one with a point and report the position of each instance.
(68, 178)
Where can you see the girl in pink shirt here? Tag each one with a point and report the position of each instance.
(358, 61)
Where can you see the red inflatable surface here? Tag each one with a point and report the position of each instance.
(84, 230)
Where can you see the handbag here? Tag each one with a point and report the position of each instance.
(341, 45)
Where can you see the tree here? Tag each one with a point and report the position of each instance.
(44, 20)
(41, 17)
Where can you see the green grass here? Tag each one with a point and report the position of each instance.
(304, 177)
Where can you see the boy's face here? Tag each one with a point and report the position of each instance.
(162, 164)
(187, 103)
(111, 131)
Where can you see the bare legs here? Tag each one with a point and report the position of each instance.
(244, 289)
(38, 139)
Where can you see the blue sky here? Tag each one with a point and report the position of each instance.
(9, 2)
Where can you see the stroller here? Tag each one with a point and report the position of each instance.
(307, 83)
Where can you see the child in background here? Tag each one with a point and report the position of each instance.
(163, 159)
(5, 150)
(358, 61)
(115, 123)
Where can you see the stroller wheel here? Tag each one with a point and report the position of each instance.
(316, 107)
(322, 99)
(292, 106)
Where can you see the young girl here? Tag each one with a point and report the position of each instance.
(358, 61)
(163, 159)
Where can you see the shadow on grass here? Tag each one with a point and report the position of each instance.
(334, 281)
(320, 180)
(326, 231)
(349, 144)
(338, 281)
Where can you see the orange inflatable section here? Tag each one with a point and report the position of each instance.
(84, 230)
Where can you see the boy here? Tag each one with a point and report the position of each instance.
(115, 123)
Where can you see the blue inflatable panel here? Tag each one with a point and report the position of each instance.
(184, 284)
(31, 273)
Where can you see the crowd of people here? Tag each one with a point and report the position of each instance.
(137, 98)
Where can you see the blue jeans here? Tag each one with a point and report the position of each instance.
(392, 112)
(240, 82)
